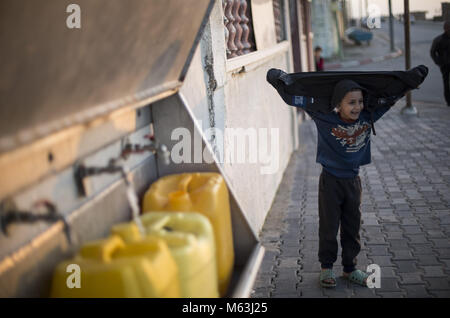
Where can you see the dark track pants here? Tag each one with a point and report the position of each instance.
(339, 205)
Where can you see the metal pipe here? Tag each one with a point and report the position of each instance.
(407, 36)
(409, 109)
(407, 45)
(391, 26)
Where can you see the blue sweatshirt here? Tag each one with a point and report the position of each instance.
(343, 147)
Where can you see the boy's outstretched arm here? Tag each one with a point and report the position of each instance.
(303, 102)
(380, 111)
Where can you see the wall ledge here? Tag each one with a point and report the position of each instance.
(252, 60)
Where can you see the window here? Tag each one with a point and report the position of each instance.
(239, 36)
(278, 13)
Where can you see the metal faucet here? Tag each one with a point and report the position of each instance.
(155, 146)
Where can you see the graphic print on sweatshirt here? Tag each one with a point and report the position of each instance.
(352, 137)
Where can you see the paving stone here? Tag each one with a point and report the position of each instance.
(376, 240)
(267, 267)
(411, 278)
(338, 292)
(372, 230)
(444, 221)
(441, 243)
(398, 244)
(264, 280)
(290, 237)
(309, 254)
(394, 236)
(379, 250)
(310, 266)
(433, 271)
(403, 255)
(308, 278)
(425, 249)
(392, 294)
(285, 285)
(437, 283)
(270, 256)
(289, 244)
(364, 292)
(408, 221)
(422, 210)
(311, 293)
(310, 245)
(412, 229)
(392, 228)
(417, 238)
(389, 219)
(404, 214)
(367, 222)
(436, 234)
(382, 261)
(406, 266)
(262, 292)
(287, 272)
(440, 293)
(427, 260)
(284, 294)
(389, 285)
(385, 211)
(388, 272)
(416, 291)
(430, 226)
(446, 263)
(289, 262)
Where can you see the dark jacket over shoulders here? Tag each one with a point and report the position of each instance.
(440, 50)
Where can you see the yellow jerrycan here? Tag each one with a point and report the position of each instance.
(190, 238)
(112, 268)
(207, 194)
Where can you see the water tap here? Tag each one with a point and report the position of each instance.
(155, 146)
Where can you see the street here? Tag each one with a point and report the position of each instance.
(422, 35)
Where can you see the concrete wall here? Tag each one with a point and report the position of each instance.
(234, 94)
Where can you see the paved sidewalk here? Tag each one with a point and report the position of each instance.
(354, 55)
(405, 214)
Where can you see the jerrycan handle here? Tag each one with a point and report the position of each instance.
(180, 199)
(103, 250)
(183, 184)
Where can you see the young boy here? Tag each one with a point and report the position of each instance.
(343, 146)
(318, 58)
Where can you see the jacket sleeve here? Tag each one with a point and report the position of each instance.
(434, 52)
(318, 116)
(377, 114)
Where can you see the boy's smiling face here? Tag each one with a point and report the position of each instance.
(351, 106)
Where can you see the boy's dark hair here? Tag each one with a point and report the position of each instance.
(351, 90)
(342, 88)
(317, 48)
